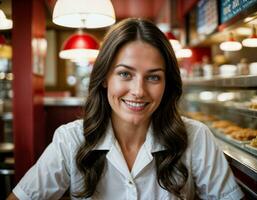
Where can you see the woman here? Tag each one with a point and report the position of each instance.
(132, 142)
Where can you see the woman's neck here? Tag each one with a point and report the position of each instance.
(130, 139)
(129, 135)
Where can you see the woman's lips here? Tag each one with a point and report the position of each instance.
(135, 105)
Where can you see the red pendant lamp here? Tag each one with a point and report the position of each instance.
(165, 28)
(177, 47)
(173, 40)
(80, 46)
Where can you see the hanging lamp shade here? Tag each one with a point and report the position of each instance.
(252, 40)
(173, 40)
(231, 44)
(79, 46)
(84, 13)
(165, 28)
(4, 22)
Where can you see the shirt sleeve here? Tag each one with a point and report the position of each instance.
(49, 178)
(212, 174)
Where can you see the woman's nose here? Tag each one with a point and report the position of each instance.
(138, 88)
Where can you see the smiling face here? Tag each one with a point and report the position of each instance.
(135, 83)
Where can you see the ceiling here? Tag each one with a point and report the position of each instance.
(155, 10)
(138, 8)
(132, 8)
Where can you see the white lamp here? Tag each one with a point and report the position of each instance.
(84, 13)
(4, 22)
(231, 44)
(252, 40)
(184, 53)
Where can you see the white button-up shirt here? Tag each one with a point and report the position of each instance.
(209, 174)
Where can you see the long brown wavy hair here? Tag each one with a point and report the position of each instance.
(168, 126)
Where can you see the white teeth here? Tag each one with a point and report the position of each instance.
(135, 104)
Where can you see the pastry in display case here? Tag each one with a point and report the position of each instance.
(230, 129)
(226, 129)
(252, 146)
(253, 142)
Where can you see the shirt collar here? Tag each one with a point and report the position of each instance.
(108, 140)
(151, 142)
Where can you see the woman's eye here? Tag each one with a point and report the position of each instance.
(124, 74)
(153, 78)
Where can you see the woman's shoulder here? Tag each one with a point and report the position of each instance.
(74, 125)
(196, 130)
(71, 132)
(192, 124)
(200, 139)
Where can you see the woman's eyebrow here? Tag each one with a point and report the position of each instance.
(126, 66)
(156, 69)
(133, 68)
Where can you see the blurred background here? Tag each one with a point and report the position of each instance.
(46, 59)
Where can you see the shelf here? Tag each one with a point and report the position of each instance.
(239, 82)
(237, 110)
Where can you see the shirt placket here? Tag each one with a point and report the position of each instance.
(131, 189)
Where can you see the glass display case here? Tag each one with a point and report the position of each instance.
(228, 106)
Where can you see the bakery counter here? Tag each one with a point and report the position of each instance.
(228, 106)
(238, 145)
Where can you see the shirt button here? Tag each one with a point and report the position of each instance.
(130, 182)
